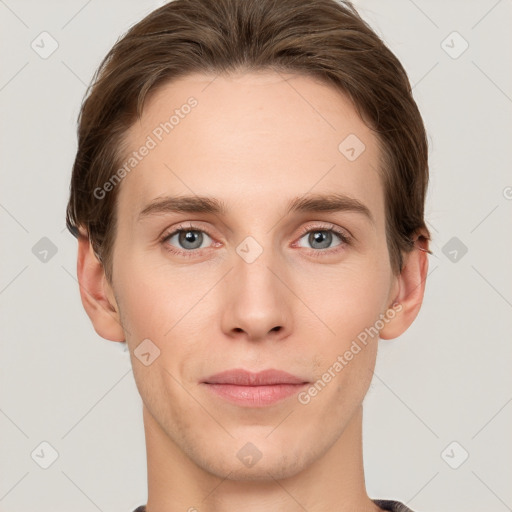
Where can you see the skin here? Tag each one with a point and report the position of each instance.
(254, 141)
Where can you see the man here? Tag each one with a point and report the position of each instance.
(248, 196)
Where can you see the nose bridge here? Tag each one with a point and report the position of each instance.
(256, 272)
(257, 300)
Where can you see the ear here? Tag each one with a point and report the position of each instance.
(96, 293)
(411, 288)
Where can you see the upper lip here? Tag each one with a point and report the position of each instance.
(241, 377)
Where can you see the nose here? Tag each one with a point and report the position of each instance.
(257, 303)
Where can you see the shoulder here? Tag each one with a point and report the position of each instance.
(392, 506)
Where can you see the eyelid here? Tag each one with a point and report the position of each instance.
(191, 225)
(346, 240)
(341, 232)
(184, 226)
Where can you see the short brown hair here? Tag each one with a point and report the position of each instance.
(325, 39)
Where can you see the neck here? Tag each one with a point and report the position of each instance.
(334, 481)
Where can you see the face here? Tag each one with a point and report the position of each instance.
(262, 278)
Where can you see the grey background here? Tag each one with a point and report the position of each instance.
(446, 380)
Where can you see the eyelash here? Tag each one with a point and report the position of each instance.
(345, 239)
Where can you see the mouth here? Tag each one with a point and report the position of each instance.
(248, 389)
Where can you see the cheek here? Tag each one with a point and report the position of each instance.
(154, 297)
(169, 308)
(346, 299)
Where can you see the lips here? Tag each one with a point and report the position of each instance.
(239, 377)
(247, 389)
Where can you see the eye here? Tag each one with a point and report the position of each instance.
(185, 239)
(321, 238)
(189, 240)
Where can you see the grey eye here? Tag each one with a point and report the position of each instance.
(320, 238)
(189, 239)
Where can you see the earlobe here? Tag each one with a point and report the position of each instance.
(411, 288)
(96, 293)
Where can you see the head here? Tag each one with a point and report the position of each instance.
(279, 122)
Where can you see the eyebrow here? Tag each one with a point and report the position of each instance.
(310, 203)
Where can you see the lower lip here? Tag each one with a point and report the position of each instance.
(255, 396)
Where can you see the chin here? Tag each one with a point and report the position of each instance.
(253, 461)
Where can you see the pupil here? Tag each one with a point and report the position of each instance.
(321, 237)
(189, 237)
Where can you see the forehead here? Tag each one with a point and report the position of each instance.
(249, 140)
